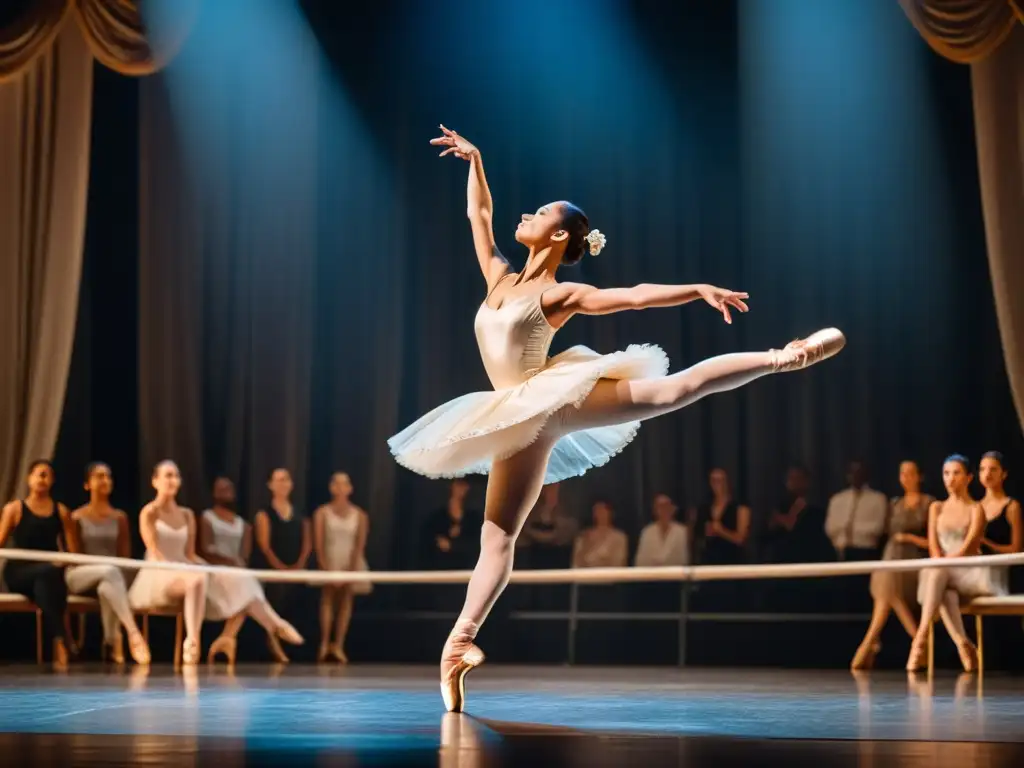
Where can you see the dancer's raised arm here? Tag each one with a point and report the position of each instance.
(567, 299)
(479, 206)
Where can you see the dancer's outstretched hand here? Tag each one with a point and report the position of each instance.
(722, 298)
(456, 145)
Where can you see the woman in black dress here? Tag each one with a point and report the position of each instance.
(283, 542)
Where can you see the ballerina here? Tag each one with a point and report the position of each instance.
(550, 419)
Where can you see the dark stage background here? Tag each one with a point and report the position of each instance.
(279, 272)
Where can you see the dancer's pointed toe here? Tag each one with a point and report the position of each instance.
(803, 353)
(453, 685)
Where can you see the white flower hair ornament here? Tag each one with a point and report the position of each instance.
(596, 241)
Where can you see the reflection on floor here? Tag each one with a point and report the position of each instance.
(554, 716)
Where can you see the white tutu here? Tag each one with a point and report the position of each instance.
(466, 435)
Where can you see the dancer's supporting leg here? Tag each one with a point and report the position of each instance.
(512, 489)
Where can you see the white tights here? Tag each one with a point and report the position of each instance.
(112, 592)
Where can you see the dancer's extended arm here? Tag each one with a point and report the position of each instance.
(567, 299)
(479, 206)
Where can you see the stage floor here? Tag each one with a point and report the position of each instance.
(517, 715)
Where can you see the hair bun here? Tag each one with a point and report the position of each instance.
(596, 241)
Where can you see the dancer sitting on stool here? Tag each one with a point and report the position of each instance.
(955, 529)
(550, 419)
(39, 522)
(103, 530)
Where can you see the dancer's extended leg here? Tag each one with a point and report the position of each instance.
(618, 401)
(512, 489)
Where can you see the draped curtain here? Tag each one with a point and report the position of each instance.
(989, 35)
(46, 54)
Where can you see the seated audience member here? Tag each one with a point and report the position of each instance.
(549, 532)
(103, 530)
(451, 534)
(722, 526)
(1004, 535)
(856, 517)
(224, 538)
(38, 522)
(545, 543)
(665, 541)
(340, 531)
(796, 528)
(956, 528)
(284, 541)
(897, 590)
(602, 545)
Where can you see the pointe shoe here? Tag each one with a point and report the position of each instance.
(803, 353)
(114, 652)
(865, 656)
(139, 649)
(60, 655)
(226, 645)
(190, 652)
(276, 651)
(453, 686)
(918, 657)
(289, 634)
(337, 654)
(968, 655)
(324, 653)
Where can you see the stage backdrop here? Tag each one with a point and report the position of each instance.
(307, 286)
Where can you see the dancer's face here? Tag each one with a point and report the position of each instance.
(719, 482)
(341, 486)
(910, 477)
(856, 474)
(602, 514)
(40, 479)
(991, 474)
(280, 484)
(796, 482)
(100, 481)
(955, 477)
(664, 508)
(167, 479)
(224, 493)
(543, 228)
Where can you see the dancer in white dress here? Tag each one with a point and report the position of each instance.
(550, 419)
(339, 535)
(225, 539)
(955, 529)
(103, 530)
(169, 533)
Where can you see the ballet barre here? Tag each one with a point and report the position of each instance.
(552, 576)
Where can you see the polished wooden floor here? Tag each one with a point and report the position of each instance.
(517, 716)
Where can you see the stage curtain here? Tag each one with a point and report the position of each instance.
(44, 163)
(117, 36)
(29, 34)
(998, 85)
(988, 35)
